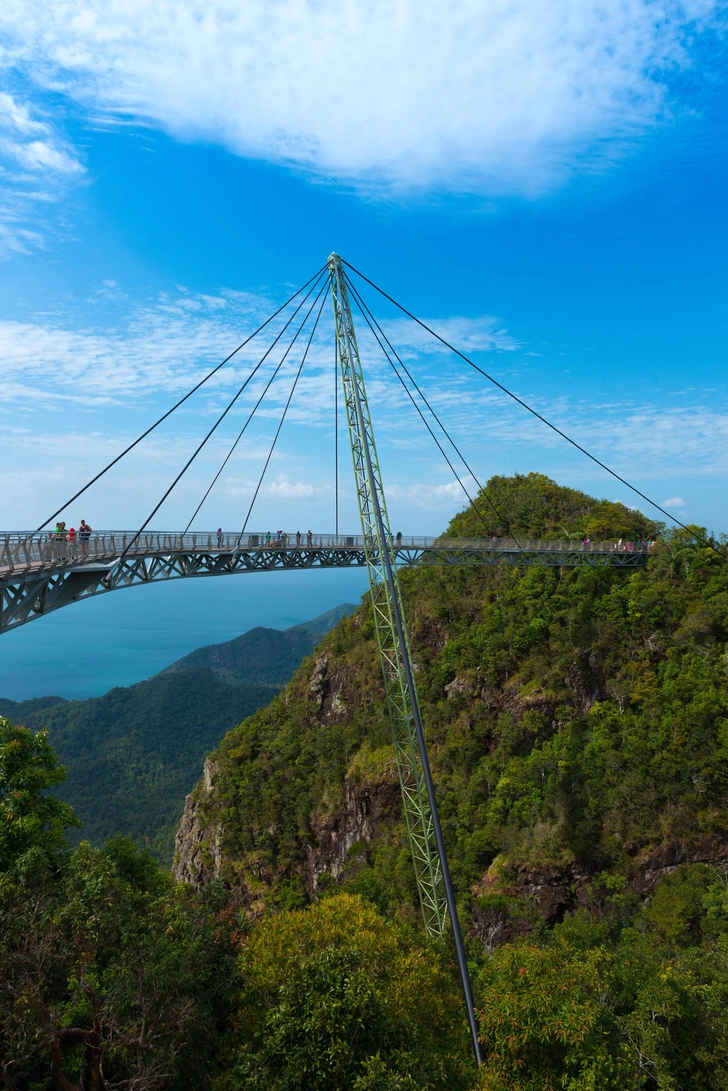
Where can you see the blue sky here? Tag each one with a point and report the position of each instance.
(544, 182)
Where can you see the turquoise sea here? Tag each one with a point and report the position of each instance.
(120, 638)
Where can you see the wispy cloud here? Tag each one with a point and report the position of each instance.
(36, 166)
(163, 346)
(74, 397)
(509, 96)
(168, 344)
(469, 334)
(159, 349)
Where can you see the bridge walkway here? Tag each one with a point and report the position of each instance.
(40, 573)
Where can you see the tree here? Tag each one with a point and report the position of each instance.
(29, 818)
(336, 997)
(111, 975)
(545, 1024)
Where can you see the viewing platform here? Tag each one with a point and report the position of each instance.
(24, 552)
(40, 572)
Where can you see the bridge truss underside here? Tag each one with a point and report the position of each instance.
(26, 595)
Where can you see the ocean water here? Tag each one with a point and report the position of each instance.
(122, 637)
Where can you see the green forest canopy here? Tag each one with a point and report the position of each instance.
(534, 506)
(577, 722)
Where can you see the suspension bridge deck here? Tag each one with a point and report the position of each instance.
(39, 573)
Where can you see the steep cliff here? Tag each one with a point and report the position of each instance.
(577, 721)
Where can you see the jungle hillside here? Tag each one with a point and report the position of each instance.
(577, 724)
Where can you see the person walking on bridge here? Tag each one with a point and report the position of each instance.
(72, 541)
(59, 536)
(298, 539)
(309, 539)
(398, 539)
(84, 533)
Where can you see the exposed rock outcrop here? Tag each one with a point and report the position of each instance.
(664, 859)
(198, 846)
(520, 894)
(357, 822)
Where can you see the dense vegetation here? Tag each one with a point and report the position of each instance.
(134, 754)
(577, 720)
(578, 729)
(533, 506)
(110, 975)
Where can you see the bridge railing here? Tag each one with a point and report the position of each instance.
(23, 550)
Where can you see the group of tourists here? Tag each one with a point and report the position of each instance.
(279, 540)
(65, 540)
(640, 545)
(621, 546)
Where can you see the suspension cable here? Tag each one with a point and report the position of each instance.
(222, 416)
(250, 417)
(520, 401)
(179, 403)
(283, 417)
(367, 315)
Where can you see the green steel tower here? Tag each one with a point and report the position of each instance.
(418, 796)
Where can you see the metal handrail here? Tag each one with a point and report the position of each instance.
(24, 550)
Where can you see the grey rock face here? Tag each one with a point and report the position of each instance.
(356, 823)
(197, 847)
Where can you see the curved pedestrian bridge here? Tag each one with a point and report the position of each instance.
(42, 572)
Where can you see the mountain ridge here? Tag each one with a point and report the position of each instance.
(263, 656)
(133, 754)
(577, 723)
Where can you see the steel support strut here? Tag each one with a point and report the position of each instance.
(434, 884)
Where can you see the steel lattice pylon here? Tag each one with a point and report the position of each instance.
(437, 897)
(389, 621)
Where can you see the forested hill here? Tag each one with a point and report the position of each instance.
(578, 730)
(577, 722)
(264, 656)
(533, 506)
(134, 754)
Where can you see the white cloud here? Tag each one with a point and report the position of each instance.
(39, 155)
(290, 490)
(433, 497)
(280, 488)
(163, 346)
(16, 115)
(509, 96)
(168, 344)
(35, 167)
(468, 334)
(74, 397)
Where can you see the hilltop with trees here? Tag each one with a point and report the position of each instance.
(577, 721)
